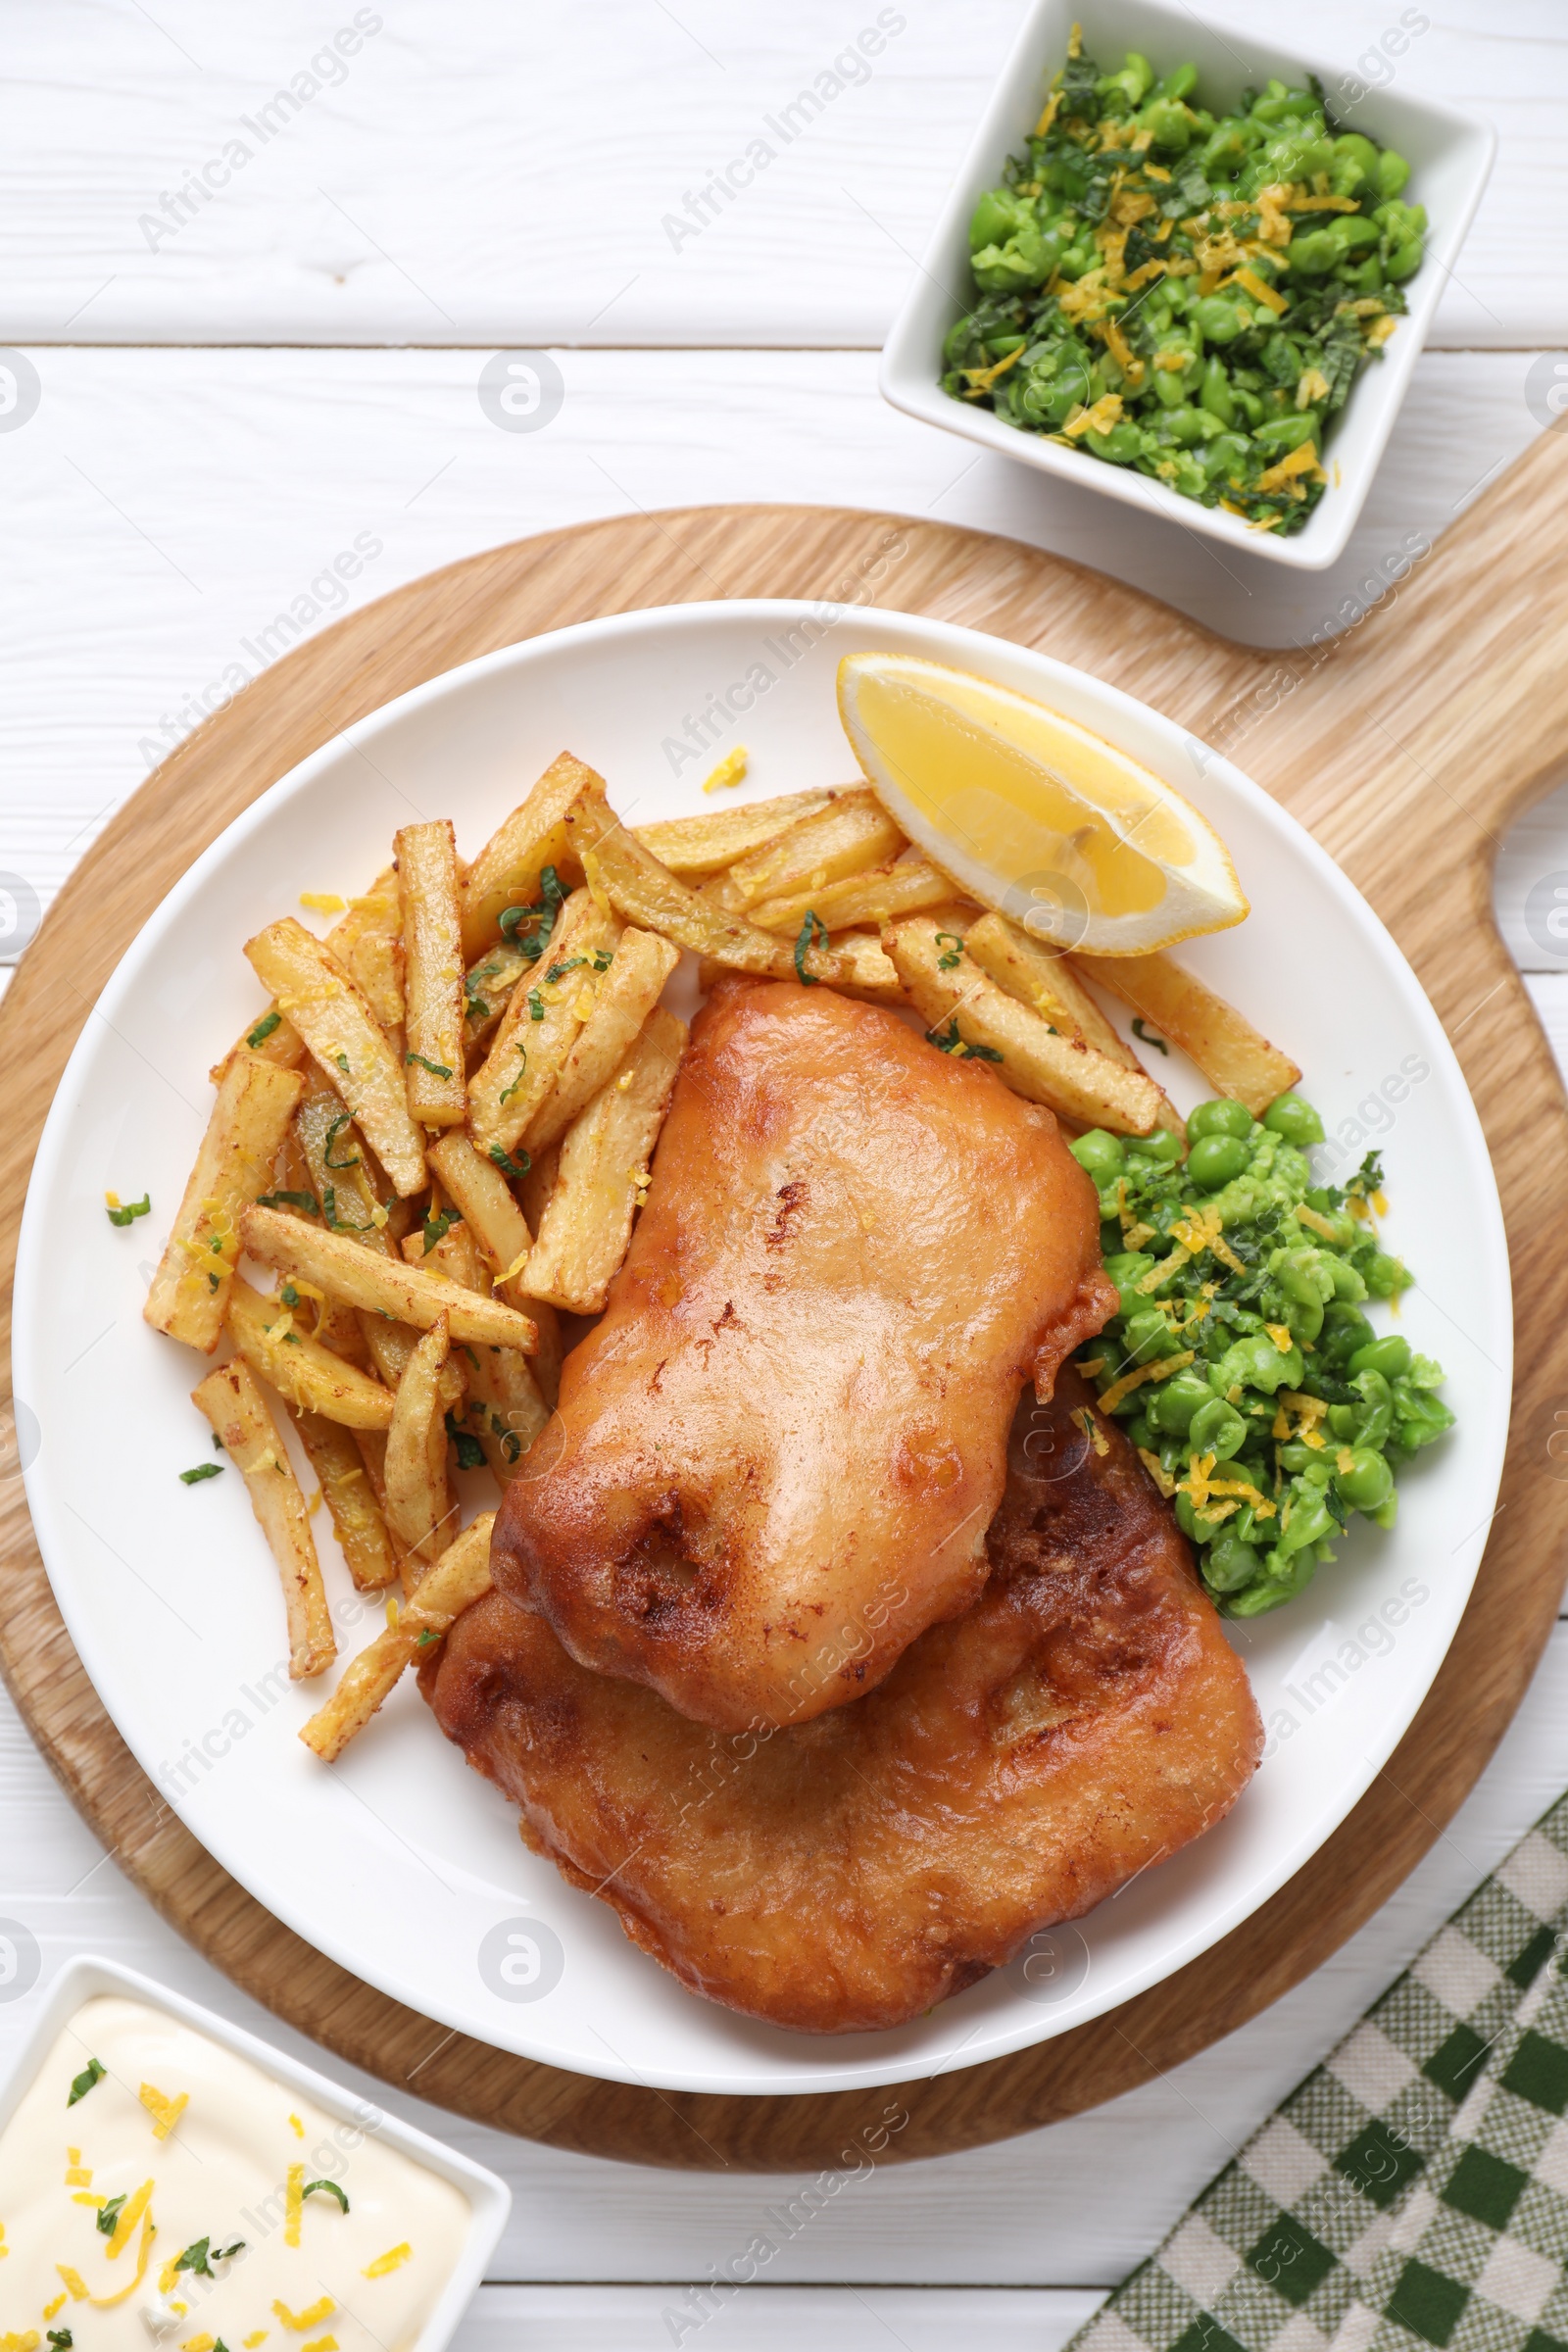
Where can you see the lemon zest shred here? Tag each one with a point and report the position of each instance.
(1161, 1369)
(392, 2260)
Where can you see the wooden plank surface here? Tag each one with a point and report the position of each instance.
(490, 175)
(1364, 739)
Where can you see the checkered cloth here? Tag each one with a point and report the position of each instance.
(1414, 2190)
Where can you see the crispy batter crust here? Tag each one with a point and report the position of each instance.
(794, 1412)
(1084, 1718)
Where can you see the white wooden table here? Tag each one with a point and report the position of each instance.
(238, 383)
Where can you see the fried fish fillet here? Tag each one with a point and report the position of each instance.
(1084, 1719)
(793, 1416)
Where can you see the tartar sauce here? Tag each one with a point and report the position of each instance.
(160, 2193)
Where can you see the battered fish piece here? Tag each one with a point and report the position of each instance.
(1086, 1718)
(793, 1417)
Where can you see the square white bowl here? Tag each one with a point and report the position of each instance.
(488, 2197)
(1449, 155)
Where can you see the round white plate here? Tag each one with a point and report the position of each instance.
(398, 1862)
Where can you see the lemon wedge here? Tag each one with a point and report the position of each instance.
(1032, 814)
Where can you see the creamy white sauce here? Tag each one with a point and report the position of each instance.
(221, 2173)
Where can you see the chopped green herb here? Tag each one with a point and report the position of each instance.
(129, 1210)
(507, 1162)
(194, 1478)
(213, 1283)
(437, 1069)
(949, 1042)
(1147, 1037)
(289, 1295)
(306, 1200)
(332, 1134)
(470, 1454)
(536, 1005)
(62, 2340)
(330, 1211)
(328, 2188)
(436, 1228)
(511, 1444)
(602, 958)
(510, 1091)
(528, 929)
(91, 2074)
(107, 2215)
(812, 932)
(342, 1061)
(429, 1634)
(558, 971)
(476, 1008)
(953, 950)
(1368, 1177)
(263, 1029)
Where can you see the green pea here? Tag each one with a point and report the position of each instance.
(1345, 1330)
(1179, 1401)
(1171, 123)
(1215, 395)
(1391, 1356)
(1351, 148)
(1222, 321)
(1161, 1146)
(1219, 1117)
(1277, 434)
(1390, 173)
(1229, 1563)
(1297, 1121)
(1216, 1428)
(1215, 1160)
(1149, 1336)
(1368, 1482)
(1227, 453)
(1120, 445)
(1403, 264)
(1313, 255)
(1100, 1155)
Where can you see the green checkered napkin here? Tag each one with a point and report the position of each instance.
(1414, 2188)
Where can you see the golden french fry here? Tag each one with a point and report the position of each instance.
(1041, 976)
(539, 1027)
(271, 1037)
(270, 1336)
(333, 1016)
(420, 1509)
(1235, 1058)
(537, 1186)
(369, 943)
(337, 1327)
(432, 947)
(622, 999)
(508, 870)
(478, 1189)
(506, 1410)
(877, 896)
(622, 873)
(704, 845)
(459, 1578)
(850, 837)
(235, 1404)
(336, 1264)
(333, 1151)
(869, 970)
(605, 1157)
(487, 991)
(965, 1004)
(189, 1294)
(350, 1497)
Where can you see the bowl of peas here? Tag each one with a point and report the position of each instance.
(1190, 270)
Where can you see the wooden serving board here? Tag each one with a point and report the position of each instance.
(1408, 745)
